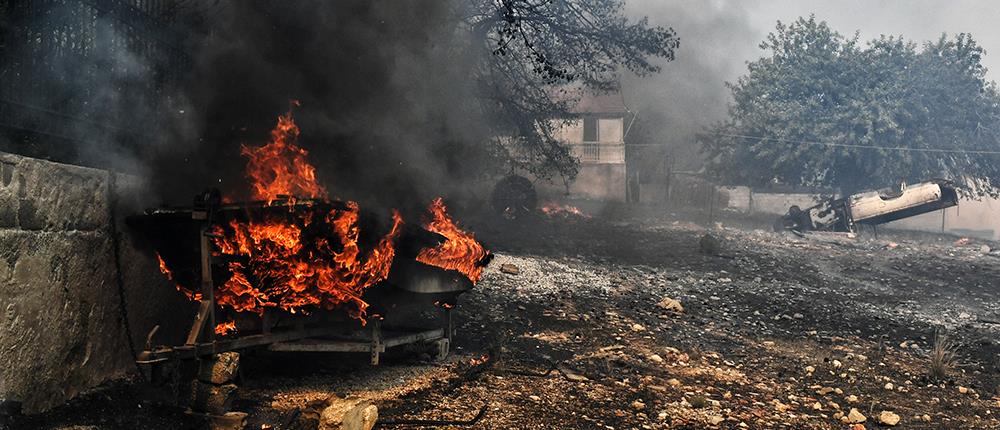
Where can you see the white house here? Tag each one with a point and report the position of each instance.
(597, 138)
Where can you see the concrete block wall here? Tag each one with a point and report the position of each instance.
(61, 327)
(743, 200)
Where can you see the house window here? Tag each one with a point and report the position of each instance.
(590, 129)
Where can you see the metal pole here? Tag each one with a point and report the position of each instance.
(943, 212)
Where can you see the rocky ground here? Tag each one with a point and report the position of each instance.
(643, 322)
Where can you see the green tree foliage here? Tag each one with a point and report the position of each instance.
(807, 113)
(535, 50)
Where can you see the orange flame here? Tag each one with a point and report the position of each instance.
(296, 262)
(191, 295)
(553, 209)
(226, 328)
(460, 251)
(304, 258)
(280, 168)
(309, 257)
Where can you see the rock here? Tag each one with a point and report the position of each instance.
(852, 399)
(985, 249)
(810, 369)
(655, 358)
(824, 391)
(817, 406)
(715, 420)
(348, 414)
(535, 398)
(212, 399)
(855, 416)
(889, 386)
(673, 382)
(780, 407)
(963, 390)
(638, 405)
(888, 418)
(837, 364)
(638, 327)
(925, 418)
(669, 304)
(220, 369)
(510, 269)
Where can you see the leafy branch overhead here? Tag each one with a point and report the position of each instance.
(538, 50)
(826, 110)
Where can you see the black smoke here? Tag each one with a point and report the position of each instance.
(387, 105)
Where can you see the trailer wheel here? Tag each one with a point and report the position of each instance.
(514, 196)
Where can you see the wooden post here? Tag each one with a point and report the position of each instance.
(207, 285)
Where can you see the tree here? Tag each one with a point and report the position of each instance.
(825, 110)
(542, 53)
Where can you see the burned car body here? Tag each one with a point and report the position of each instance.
(846, 214)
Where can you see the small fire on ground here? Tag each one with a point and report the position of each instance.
(556, 209)
(309, 257)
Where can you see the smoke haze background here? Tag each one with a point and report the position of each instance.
(388, 102)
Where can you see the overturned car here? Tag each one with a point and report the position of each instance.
(846, 214)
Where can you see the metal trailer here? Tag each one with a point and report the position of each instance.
(409, 282)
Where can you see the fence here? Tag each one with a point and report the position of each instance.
(86, 70)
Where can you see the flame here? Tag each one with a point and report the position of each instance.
(460, 251)
(299, 260)
(280, 168)
(554, 209)
(226, 328)
(191, 295)
(309, 256)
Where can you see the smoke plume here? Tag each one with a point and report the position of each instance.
(385, 91)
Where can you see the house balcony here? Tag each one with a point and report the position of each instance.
(598, 153)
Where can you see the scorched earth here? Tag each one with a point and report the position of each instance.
(643, 322)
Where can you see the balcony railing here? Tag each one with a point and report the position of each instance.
(599, 152)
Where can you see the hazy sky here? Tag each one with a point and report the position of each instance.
(718, 37)
(914, 19)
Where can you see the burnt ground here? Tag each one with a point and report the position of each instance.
(777, 331)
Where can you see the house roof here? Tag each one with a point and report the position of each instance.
(612, 102)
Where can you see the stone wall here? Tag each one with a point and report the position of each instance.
(61, 328)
